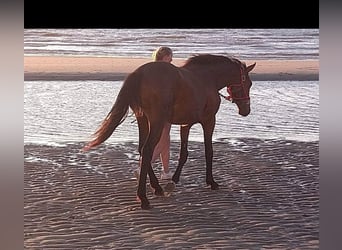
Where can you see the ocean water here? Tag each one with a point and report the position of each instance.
(59, 112)
(244, 44)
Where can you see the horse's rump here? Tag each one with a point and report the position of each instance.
(167, 88)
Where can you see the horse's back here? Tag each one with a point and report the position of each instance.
(155, 85)
(174, 91)
(158, 71)
(158, 79)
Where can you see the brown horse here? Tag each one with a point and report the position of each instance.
(160, 92)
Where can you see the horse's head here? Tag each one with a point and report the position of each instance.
(239, 91)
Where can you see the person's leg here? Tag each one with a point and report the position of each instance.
(165, 155)
(157, 149)
(165, 151)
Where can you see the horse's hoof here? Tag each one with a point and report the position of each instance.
(175, 180)
(159, 192)
(169, 187)
(214, 186)
(145, 205)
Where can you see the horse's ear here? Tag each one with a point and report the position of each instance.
(251, 67)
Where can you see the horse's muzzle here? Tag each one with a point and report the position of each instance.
(244, 107)
(244, 113)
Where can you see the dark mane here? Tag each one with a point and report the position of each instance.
(205, 59)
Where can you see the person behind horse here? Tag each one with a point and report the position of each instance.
(162, 149)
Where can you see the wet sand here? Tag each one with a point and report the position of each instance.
(268, 198)
(69, 68)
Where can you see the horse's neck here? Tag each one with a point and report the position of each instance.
(206, 75)
(218, 76)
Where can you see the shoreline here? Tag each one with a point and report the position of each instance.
(74, 68)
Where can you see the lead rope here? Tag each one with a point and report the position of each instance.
(228, 98)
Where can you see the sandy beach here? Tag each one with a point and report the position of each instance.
(268, 198)
(113, 68)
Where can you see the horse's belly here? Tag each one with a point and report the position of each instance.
(184, 115)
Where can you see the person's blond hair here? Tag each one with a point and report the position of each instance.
(160, 52)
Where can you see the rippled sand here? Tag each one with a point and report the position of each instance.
(268, 198)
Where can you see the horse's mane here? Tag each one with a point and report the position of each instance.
(205, 59)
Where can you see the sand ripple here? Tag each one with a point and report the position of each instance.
(268, 198)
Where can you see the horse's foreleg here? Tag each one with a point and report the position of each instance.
(183, 155)
(208, 128)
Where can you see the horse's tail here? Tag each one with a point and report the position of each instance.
(118, 112)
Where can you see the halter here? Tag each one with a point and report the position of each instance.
(230, 96)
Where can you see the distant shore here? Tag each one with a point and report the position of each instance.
(73, 68)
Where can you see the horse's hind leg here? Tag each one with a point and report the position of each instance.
(143, 130)
(143, 134)
(146, 167)
(184, 133)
